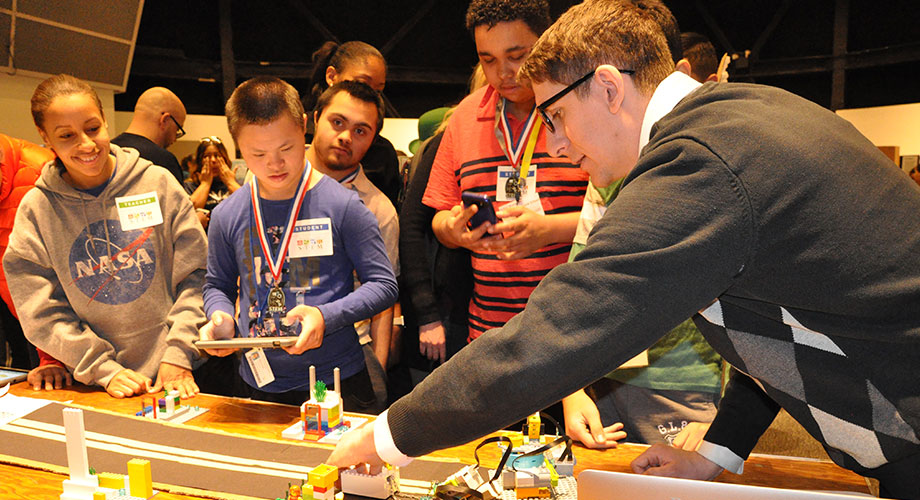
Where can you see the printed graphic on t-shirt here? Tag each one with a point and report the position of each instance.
(110, 265)
(299, 276)
(671, 429)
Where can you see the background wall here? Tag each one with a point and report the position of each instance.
(16, 119)
(897, 125)
(15, 115)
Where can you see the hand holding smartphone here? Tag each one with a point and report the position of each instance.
(485, 212)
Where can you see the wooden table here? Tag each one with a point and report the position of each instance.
(267, 420)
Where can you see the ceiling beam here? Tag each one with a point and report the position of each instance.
(714, 26)
(406, 27)
(227, 63)
(318, 25)
(771, 27)
(871, 58)
(159, 63)
(838, 63)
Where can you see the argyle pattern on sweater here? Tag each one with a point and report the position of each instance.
(812, 377)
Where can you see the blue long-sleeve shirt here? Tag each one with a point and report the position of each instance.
(323, 281)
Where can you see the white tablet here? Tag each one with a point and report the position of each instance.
(247, 342)
(12, 375)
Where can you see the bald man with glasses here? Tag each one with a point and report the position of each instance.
(157, 123)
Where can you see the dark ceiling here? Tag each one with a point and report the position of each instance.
(838, 53)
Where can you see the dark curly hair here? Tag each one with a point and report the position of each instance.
(534, 13)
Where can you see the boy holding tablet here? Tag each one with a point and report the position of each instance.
(293, 238)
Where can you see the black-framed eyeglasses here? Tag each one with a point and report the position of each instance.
(559, 95)
(180, 132)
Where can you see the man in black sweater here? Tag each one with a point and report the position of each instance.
(787, 234)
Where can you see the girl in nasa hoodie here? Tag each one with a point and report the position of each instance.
(106, 259)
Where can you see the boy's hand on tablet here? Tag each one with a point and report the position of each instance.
(175, 378)
(312, 328)
(128, 383)
(220, 327)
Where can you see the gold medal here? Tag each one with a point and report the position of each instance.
(513, 186)
(276, 264)
(276, 300)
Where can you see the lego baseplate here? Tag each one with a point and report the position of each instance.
(295, 431)
(566, 489)
(182, 415)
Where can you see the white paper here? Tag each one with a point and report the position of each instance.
(13, 407)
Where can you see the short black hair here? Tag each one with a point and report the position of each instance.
(534, 13)
(260, 101)
(359, 90)
(701, 54)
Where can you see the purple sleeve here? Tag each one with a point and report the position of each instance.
(220, 286)
(364, 246)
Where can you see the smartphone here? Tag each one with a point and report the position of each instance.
(486, 212)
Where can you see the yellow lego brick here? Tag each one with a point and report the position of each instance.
(323, 476)
(139, 478)
(533, 426)
(110, 480)
(98, 495)
(334, 414)
(517, 439)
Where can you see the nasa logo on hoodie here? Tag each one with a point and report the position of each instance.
(110, 265)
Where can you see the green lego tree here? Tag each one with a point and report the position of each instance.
(319, 391)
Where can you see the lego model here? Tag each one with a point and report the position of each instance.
(81, 484)
(531, 467)
(169, 408)
(471, 481)
(321, 481)
(84, 485)
(320, 485)
(322, 417)
(384, 484)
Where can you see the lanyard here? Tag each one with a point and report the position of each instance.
(276, 264)
(506, 142)
(506, 138)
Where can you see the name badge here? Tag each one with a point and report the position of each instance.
(311, 238)
(139, 211)
(528, 187)
(261, 370)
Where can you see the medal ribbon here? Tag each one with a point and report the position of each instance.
(531, 131)
(528, 151)
(275, 265)
(514, 154)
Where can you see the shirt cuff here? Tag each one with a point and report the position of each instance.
(383, 442)
(721, 456)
